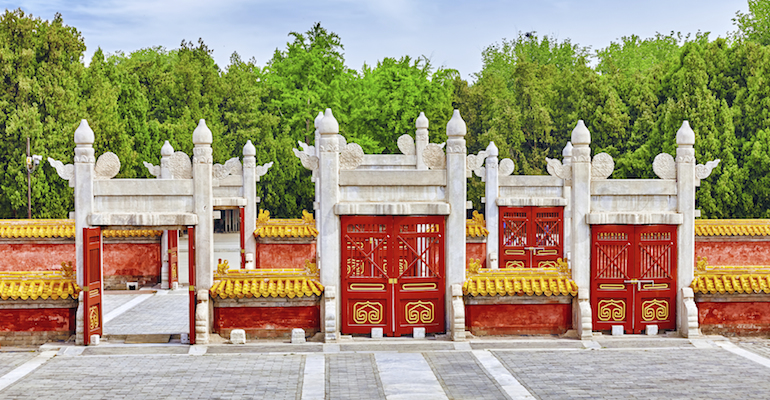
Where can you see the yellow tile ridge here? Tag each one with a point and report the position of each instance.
(519, 281)
(732, 227)
(60, 228)
(302, 227)
(33, 285)
(730, 279)
(266, 282)
(476, 226)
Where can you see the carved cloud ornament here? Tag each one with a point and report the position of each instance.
(262, 170)
(107, 166)
(434, 156)
(474, 163)
(555, 168)
(231, 167)
(66, 172)
(602, 166)
(664, 166)
(351, 156)
(153, 169)
(406, 145)
(307, 156)
(703, 171)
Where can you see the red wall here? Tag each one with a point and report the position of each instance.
(734, 253)
(37, 320)
(36, 256)
(476, 251)
(132, 259)
(273, 255)
(734, 318)
(517, 319)
(267, 321)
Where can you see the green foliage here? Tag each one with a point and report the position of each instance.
(755, 25)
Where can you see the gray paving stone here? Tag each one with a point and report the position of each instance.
(11, 360)
(158, 314)
(526, 344)
(394, 346)
(112, 301)
(462, 377)
(643, 374)
(267, 348)
(353, 377)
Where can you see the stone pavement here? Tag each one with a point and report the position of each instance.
(514, 368)
(148, 312)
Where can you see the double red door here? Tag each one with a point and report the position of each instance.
(392, 274)
(633, 276)
(531, 237)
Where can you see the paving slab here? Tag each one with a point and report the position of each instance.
(397, 346)
(166, 314)
(11, 360)
(462, 377)
(352, 377)
(524, 344)
(260, 348)
(135, 350)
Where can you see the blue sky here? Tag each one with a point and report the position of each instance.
(450, 33)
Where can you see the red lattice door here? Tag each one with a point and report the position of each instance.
(633, 270)
(392, 274)
(92, 291)
(531, 237)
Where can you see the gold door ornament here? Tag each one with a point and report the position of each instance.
(355, 267)
(612, 310)
(367, 312)
(419, 312)
(93, 317)
(654, 310)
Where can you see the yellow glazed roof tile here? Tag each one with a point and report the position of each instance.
(273, 282)
(303, 227)
(519, 282)
(33, 285)
(728, 279)
(732, 227)
(476, 226)
(59, 228)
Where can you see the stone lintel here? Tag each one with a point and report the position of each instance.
(392, 209)
(530, 180)
(631, 187)
(230, 202)
(143, 219)
(630, 218)
(531, 201)
(143, 187)
(393, 178)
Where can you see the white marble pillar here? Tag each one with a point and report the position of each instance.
(685, 181)
(329, 235)
(421, 140)
(491, 210)
(317, 182)
(456, 193)
(84, 198)
(567, 194)
(250, 179)
(165, 173)
(204, 233)
(581, 231)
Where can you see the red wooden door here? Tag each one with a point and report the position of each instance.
(392, 274)
(532, 237)
(92, 291)
(242, 229)
(191, 275)
(633, 270)
(173, 257)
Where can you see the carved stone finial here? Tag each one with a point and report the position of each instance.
(567, 152)
(84, 134)
(249, 150)
(685, 135)
(318, 119)
(167, 150)
(456, 126)
(581, 135)
(664, 166)
(202, 134)
(422, 121)
(329, 124)
(492, 150)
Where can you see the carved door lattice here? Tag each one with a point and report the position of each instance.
(392, 274)
(633, 270)
(531, 237)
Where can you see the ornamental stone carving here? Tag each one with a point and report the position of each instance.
(434, 156)
(406, 145)
(180, 166)
(507, 167)
(307, 156)
(231, 167)
(351, 156)
(203, 155)
(107, 166)
(664, 166)
(703, 171)
(66, 172)
(602, 166)
(154, 170)
(555, 168)
(262, 170)
(475, 164)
